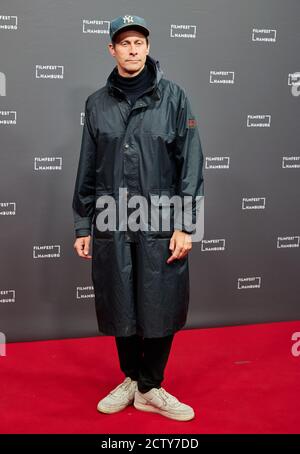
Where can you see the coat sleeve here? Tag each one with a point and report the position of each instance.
(189, 159)
(83, 204)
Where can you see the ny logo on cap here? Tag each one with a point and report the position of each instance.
(127, 19)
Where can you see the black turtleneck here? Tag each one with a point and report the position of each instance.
(136, 85)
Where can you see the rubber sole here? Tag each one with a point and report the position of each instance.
(151, 409)
(108, 410)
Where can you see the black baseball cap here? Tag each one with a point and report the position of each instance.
(126, 22)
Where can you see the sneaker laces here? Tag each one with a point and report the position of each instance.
(167, 397)
(122, 387)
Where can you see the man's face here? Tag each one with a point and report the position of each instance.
(130, 51)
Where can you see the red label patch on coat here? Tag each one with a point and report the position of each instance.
(192, 123)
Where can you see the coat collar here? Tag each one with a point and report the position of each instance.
(152, 64)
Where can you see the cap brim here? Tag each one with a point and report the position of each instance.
(140, 28)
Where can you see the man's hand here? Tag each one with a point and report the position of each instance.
(180, 245)
(82, 246)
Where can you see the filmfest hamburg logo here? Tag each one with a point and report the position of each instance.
(183, 31)
(8, 117)
(288, 241)
(217, 162)
(213, 245)
(248, 282)
(258, 121)
(221, 77)
(7, 296)
(46, 251)
(263, 34)
(8, 22)
(290, 162)
(253, 203)
(48, 163)
(7, 208)
(95, 26)
(85, 292)
(49, 71)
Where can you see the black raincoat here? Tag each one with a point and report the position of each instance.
(150, 148)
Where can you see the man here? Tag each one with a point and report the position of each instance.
(139, 134)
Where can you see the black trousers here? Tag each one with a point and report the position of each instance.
(144, 359)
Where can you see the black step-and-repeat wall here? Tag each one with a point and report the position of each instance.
(239, 63)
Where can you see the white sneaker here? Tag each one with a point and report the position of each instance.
(119, 398)
(158, 400)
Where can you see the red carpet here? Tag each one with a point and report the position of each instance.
(238, 379)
